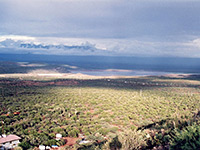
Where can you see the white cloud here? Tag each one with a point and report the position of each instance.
(17, 38)
(196, 43)
(126, 47)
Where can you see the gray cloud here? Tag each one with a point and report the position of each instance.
(100, 19)
(136, 27)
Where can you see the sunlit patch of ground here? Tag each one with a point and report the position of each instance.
(27, 64)
(118, 70)
(71, 67)
(55, 74)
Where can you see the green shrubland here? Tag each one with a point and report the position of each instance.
(140, 113)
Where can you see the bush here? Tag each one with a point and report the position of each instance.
(73, 133)
(103, 131)
(114, 129)
(188, 138)
(60, 142)
(57, 130)
(133, 140)
(50, 142)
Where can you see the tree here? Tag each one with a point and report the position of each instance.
(25, 145)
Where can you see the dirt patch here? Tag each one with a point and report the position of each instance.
(70, 141)
(96, 116)
(92, 111)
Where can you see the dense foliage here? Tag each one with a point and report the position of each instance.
(188, 138)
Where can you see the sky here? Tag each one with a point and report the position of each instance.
(114, 27)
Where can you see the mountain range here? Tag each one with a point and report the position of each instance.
(40, 48)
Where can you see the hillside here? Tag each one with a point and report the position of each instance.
(100, 109)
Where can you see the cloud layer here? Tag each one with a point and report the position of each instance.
(101, 18)
(83, 46)
(115, 27)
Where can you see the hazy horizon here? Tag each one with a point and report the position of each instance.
(84, 63)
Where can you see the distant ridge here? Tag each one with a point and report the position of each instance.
(23, 47)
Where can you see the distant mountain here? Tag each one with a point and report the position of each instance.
(9, 43)
(84, 48)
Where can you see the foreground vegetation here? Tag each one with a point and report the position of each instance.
(131, 113)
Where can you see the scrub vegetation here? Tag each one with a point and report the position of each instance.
(124, 113)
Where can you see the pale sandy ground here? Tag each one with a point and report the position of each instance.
(75, 76)
(60, 75)
(43, 73)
